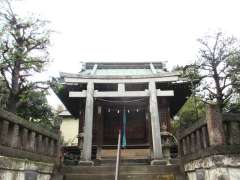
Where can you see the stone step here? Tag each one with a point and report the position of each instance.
(159, 169)
(123, 162)
(138, 176)
(128, 172)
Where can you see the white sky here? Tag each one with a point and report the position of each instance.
(130, 30)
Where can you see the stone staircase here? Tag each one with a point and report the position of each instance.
(129, 170)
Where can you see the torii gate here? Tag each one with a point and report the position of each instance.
(90, 94)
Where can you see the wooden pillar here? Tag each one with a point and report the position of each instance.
(87, 140)
(99, 132)
(80, 129)
(156, 136)
(149, 132)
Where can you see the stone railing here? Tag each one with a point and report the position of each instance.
(22, 139)
(194, 138)
(231, 125)
(215, 135)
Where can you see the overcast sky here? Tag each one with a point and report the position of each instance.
(130, 30)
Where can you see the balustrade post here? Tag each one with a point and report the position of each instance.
(25, 138)
(4, 133)
(15, 136)
(215, 125)
(234, 133)
(193, 143)
(46, 150)
(204, 137)
(40, 143)
(188, 144)
(32, 141)
(51, 148)
(184, 148)
(198, 140)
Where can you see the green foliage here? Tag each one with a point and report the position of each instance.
(23, 52)
(24, 45)
(192, 111)
(35, 108)
(3, 93)
(234, 106)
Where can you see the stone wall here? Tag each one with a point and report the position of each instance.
(210, 149)
(215, 167)
(27, 151)
(24, 169)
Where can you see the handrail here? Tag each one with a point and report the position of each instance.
(118, 155)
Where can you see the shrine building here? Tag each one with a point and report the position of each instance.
(140, 99)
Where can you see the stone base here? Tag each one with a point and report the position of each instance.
(86, 163)
(158, 162)
(225, 167)
(21, 169)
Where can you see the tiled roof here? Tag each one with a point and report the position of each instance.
(121, 72)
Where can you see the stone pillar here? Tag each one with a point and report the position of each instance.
(32, 141)
(215, 126)
(204, 137)
(51, 150)
(4, 133)
(15, 136)
(46, 145)
(25, 139)
(184, 148)
(234, 133)
(87, 140)
(156, 136)
(193, 142)
(198, 140)
(188, 150)
(40, 144)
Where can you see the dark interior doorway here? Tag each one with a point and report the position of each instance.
(136, 126)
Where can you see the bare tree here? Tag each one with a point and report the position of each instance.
(218, 63)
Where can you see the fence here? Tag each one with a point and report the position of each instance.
(206, 137)
(22, 139)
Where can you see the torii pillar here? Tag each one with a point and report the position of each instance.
(88, 126)
(155, 125)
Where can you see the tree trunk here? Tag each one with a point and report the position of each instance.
(220, 100)
(13, 98)
(12, 104)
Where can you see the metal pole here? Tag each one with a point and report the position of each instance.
(118, 155)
